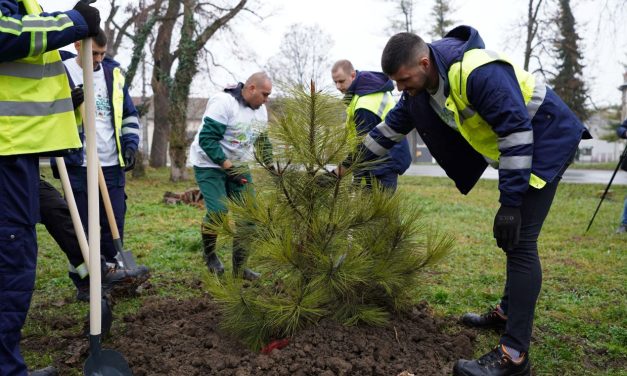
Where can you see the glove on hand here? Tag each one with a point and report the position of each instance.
(78, 96)
(235, 177)
(129, 159)
(507, 227)
(91, 16)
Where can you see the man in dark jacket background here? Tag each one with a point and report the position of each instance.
(473, 107)
(117, 138)
(369, 99)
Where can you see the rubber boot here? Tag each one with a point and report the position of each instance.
(239, 257)
(211, 259)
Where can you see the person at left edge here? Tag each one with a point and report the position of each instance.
(36, 117)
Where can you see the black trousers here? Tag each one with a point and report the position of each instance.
(524, 272)
(55, 215)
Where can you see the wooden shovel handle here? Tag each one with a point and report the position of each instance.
(106, 199)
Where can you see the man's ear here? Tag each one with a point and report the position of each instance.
(77, 45)
(353, 75)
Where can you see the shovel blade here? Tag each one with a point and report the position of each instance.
(127, 259)
(106, 363)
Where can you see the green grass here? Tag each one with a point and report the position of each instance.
(581, 316)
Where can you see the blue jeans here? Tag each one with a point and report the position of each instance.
(388, 181)
(623, 220)
(115, 179)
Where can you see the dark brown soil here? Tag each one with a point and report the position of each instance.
(170, 337)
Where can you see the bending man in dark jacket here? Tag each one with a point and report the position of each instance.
(473, 107)
(369, 99)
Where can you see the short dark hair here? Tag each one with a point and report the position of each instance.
(101, 38)
(402, 49)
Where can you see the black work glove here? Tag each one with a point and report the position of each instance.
(507, 227)
(78, 96)
(129, 159)
(91, 16)
(326, 179)
(235, 177)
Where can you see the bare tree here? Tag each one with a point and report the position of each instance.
(441, 13)
(117, 26)
(405, 19)
(200, 22)
(536, 40)
(161, 82)
(302, 57)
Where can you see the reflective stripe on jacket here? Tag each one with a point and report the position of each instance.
(479, 134)
(36, 112)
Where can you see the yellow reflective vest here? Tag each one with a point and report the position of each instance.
(470, 124)
(36, 112)
(378, 103)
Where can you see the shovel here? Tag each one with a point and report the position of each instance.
(127, 257)
(106, 311)
(100, 362)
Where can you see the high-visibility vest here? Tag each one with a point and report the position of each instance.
(470, 124)
(117, 97)
(36, 111)
(378, 103)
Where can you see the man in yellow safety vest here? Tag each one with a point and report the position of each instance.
(36, 117)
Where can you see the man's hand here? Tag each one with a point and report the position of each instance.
(91, 16)
(129, 159)
(507, 227)
(235, 177)
(78, 96)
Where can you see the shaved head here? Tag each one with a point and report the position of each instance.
(257, 89)
(257, 79)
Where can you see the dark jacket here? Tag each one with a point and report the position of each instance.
(15, 45)
(621, 131)
(493, 92)
(365, 83)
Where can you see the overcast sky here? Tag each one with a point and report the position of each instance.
(359, 29)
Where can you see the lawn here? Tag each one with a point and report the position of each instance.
(581, 317)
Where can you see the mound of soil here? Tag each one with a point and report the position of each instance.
(171, 337)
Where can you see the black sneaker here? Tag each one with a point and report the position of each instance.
(493, 319)
(495, 363)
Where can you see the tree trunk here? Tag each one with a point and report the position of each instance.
(161, 83)
(178, 168)
(189, 48)
(161, 132)
(140, 169)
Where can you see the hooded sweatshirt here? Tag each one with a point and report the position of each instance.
(365, 83)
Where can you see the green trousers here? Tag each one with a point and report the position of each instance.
(216, 188)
